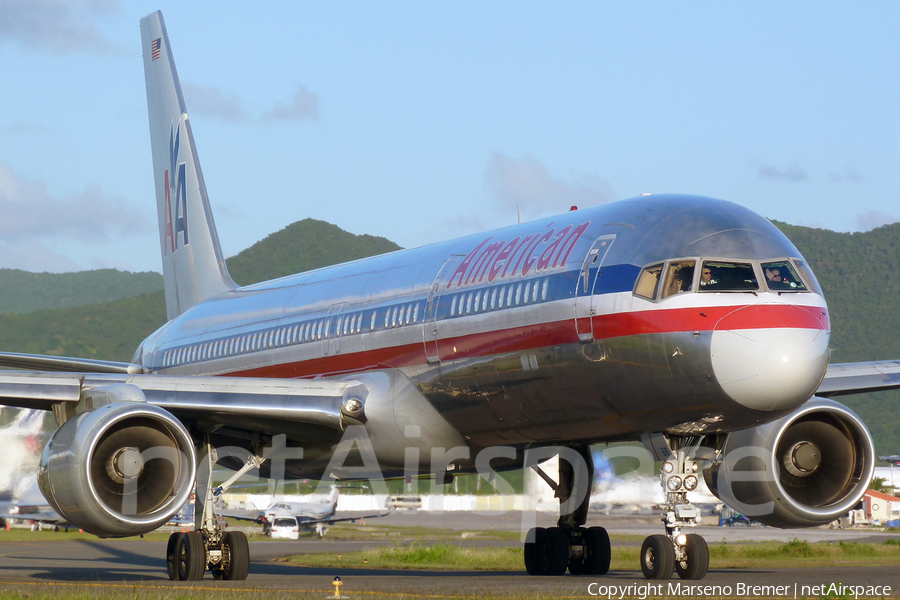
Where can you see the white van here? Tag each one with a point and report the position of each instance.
(285, 528)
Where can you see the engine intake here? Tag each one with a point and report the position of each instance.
(119, 470)
(805, 469)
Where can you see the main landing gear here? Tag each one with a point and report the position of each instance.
(569, 545)
(586, 550)
(225, 554)
(685, 554)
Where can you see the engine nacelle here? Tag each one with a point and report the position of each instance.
(119, 470)
(805, 469)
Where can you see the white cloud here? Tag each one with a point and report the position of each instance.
(850, 174)
(210, 100)
(61, 26)
(24, 128)
(304, 105)
(791, 173)
(872, 219)
(30, 211)
(526, 183)
(34, 256)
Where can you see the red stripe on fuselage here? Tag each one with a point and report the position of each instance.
(518, 339)
(759, 316)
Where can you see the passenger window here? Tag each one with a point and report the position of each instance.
(534, 292)
(518, 294)
(502, 297)
(509, 296)
(484, 301)
(544, 288)
(647, 280)
(477, 300)
(493, 298)
(679, 277)
(416, 313)
(469, 303)
(781, 277)
(453, 306)
(527, 292)
(372, 324)
(719, 276)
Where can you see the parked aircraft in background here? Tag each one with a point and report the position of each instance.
(648, 319)
(309, 516)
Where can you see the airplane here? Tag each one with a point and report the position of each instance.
(310, 516)
(646, 319)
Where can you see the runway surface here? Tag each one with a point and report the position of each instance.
(140, 563)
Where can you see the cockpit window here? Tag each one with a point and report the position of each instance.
(679, 277)
(721, 276)
(808, 276)
(646, 283)
(781, 277)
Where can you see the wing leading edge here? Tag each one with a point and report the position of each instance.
(248, 404)
(860, 377)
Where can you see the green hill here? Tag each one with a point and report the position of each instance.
(303, 246)
(24, 292)
(112, 330)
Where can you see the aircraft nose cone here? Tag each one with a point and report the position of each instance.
(770, 357)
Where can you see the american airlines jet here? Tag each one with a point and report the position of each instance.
(689, 323)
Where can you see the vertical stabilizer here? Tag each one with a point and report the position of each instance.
(193, 266)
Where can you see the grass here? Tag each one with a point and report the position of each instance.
(457, 557)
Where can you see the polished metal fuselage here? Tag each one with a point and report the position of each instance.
(529, 335)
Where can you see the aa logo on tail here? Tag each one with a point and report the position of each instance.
(176, 222)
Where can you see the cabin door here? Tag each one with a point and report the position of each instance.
(432, 308)
(585, 307)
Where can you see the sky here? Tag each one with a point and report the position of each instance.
(425, 121)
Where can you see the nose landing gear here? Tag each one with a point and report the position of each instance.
(685, 554)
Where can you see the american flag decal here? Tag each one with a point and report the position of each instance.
(154, 49)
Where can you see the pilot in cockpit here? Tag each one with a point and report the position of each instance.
(706, 277)
(680, 280)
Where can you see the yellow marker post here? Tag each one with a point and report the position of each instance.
(337, 583)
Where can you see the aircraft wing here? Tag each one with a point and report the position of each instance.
(303, 522)
(44, 362)
(860, 377)
(249, 404)
(331, 520)
(39, 514)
